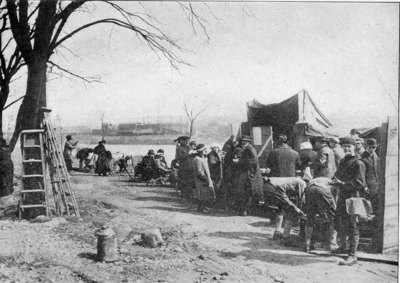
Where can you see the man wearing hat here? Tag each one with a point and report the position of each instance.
(371, 161)
(324, 165)
(68, 147)
(350, 178)
(250, 180)
(338, 152)
(202, 178)
(282, 161)
(185, 173)
(354, 134)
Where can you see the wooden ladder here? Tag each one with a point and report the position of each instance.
(64, 198)
(34, 179)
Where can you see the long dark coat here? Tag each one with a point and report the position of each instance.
(371, 162)
(102, 164)
(250, 179)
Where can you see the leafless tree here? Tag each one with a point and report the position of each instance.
(192, 112)
(10, 62)
(41, 28)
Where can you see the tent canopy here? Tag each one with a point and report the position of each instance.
(284, 115)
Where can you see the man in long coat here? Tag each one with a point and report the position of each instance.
(185, 173)
(283, 160)
(229, 168)
(215, 164)
(6, 170)
(202, 179)
(351, 182)
(324, 165)
(250, 180)
(371, 161)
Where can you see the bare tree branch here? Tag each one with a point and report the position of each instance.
(15, 101)
(155, 41)
(85, 79)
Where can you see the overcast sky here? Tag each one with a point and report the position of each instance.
(345, 55)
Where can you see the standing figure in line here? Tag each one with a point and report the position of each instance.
(250, 180)
(371, 161)
(282, 161)
(334, 144)
(359, 146)
(324, 165)
(185, 173)
(307, 158)
(350, 178)
(68, 147)
(202, 179)
(215, 164)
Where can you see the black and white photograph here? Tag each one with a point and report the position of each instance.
(204, 141)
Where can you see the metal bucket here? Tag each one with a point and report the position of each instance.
(106, 245)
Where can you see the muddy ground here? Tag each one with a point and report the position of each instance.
(213, 247)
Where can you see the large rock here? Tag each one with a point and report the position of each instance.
(152, 237)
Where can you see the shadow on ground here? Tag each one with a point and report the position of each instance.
(258, 247)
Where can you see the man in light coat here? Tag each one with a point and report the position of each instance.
(324, 165)
(202, 179)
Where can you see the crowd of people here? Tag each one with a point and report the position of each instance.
(328, 178)
(331, 179)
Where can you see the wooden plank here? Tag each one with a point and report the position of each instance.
(391, 184)
(266, 147)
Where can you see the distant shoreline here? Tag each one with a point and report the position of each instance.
(144, 139)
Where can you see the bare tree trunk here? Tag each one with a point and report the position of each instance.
(4, 92)
(191, 128)
(30, 115)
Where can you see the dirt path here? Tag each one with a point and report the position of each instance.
(214, 247)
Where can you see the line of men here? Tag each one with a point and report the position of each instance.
(332, 175)
(336, 179)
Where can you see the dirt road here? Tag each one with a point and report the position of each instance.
(213, 247)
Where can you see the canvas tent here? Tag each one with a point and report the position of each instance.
(297, 117)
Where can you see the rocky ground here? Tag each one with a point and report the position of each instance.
(212, 247)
